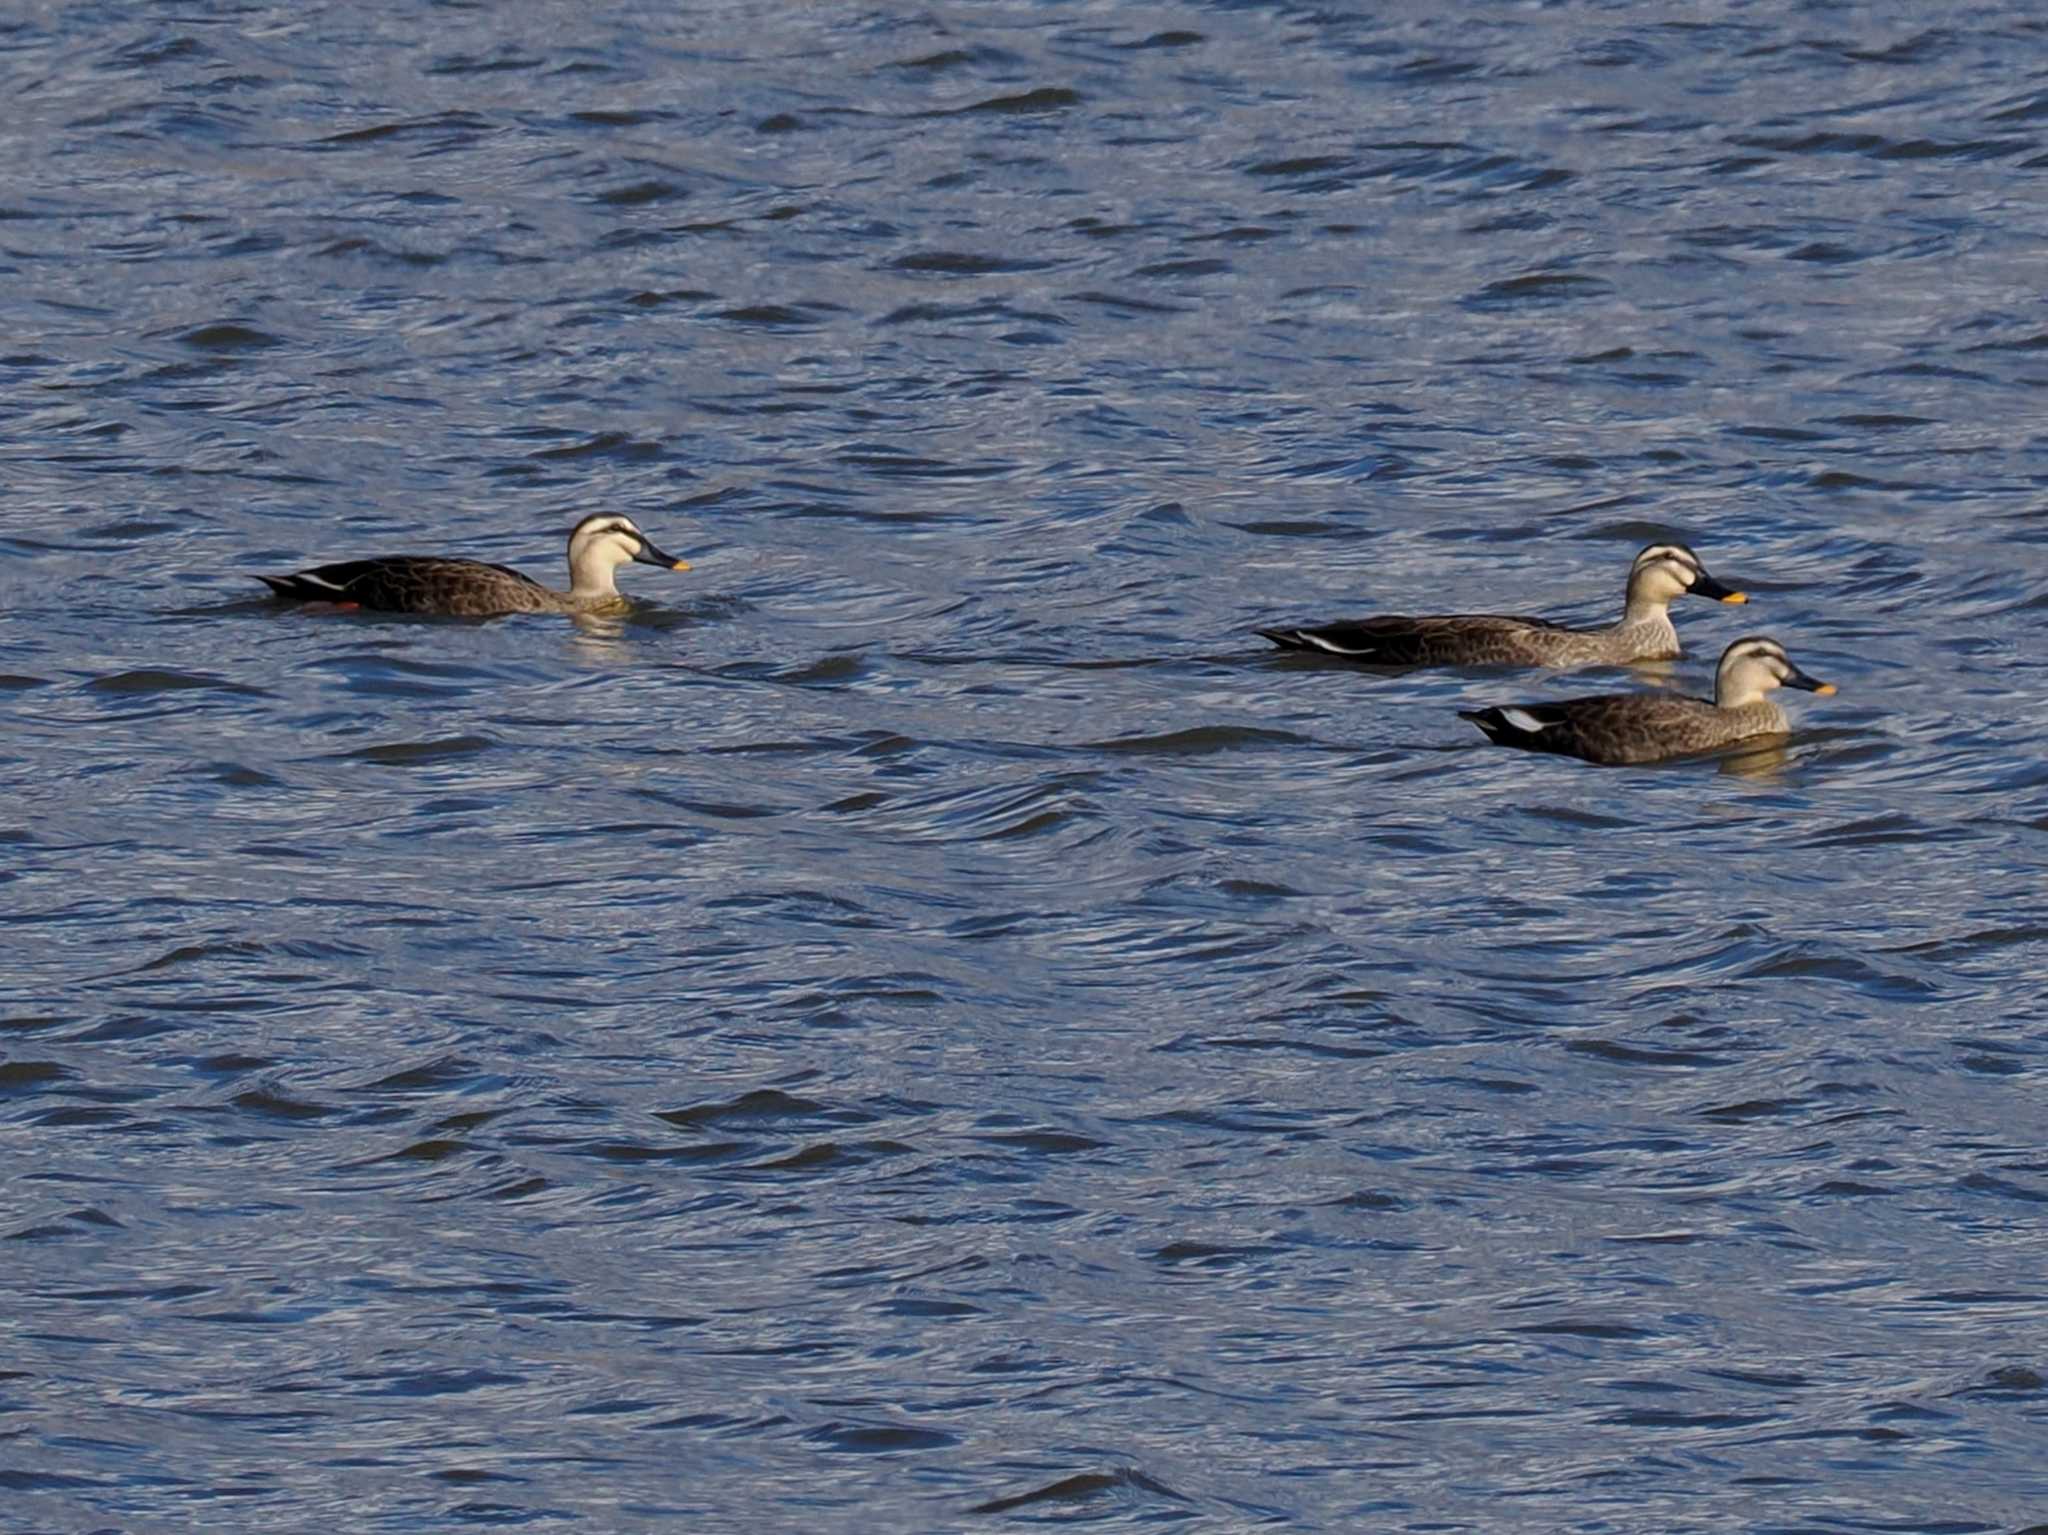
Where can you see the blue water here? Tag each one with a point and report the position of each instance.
(927, 1022)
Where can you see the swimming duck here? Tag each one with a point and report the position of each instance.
(432, 583)
(1649, 727)
(1643, 633)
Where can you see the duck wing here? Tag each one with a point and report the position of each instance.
(1447, 639)
(1614, 728)
(412, 583)
(1533, 727)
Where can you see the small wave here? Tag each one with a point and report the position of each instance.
(149, 682)
(419, 753)
(1538, 288)
(1199, 741)
(1085, 1487)
(1049, 98)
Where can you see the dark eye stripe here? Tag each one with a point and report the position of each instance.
(1678, 554)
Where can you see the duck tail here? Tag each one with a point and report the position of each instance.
(1351, 641)
(1286, 639)
(1490, 721)
(302, 586)
(1527, 725)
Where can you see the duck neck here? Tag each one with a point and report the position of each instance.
(1737, 691)
(591, 581)
(1759, 716)
(1642, 608)
(1651, 618)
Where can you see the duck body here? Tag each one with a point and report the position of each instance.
(1661, 573)
(459, 588)
(1627, 728)
(423, 583)
(1482, 639)
(1624, 729)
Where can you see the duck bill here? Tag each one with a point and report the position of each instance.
(647, 554)
(1799, 679)
(1705, 585)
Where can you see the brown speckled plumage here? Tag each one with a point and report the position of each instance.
(1643, 633)
(457, 588)
(1625, 728)
(423, 583)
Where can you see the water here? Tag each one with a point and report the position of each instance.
(928, 1023)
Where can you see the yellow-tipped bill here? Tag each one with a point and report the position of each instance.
(1704, 585)
(1795, 678)
(647, 554)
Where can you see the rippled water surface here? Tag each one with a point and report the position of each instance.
(927, 1022)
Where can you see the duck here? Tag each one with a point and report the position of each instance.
(1661, 573)
(1627, 728)
(433, 583)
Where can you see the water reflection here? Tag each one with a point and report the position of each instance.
(600, 634)
(1765, 761)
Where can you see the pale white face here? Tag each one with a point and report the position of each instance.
(604, 543)
(1752, 667)
(1663, 572)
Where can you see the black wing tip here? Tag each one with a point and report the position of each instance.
(303, 586)
(1495, 725)
(1491, 722)
(1341, 643)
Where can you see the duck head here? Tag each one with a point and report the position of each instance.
(1663, 572)
(1752, 666)
(600, 544)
